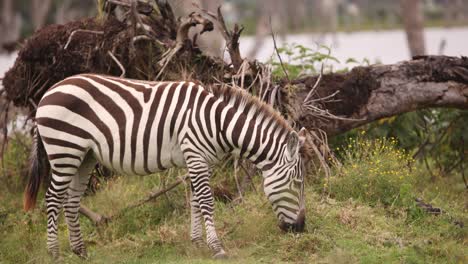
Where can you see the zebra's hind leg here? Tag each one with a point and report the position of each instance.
(55, 196)
(76, 189)
(196, 228)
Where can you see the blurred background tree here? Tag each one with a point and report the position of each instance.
(20, 18)
(413, 21)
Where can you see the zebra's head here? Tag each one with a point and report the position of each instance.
(284, 183)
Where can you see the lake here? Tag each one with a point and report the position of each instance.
(387, 46)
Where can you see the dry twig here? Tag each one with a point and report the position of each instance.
(306, 100)
(230, 36)
(96, 218)
(118, 63)
(81, 30)
(248, 178)
(236, 163)
(182, 37)
(100, 219)
(277, 53)
(319, 143)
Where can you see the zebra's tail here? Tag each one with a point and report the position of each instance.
(37, 171)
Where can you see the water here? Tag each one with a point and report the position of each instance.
(387, 47)
(6, 61)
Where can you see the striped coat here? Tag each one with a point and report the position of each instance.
(138, 128)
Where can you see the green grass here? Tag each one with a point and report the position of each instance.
(340, 229)
(374, 171)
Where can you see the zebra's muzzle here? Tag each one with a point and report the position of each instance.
(297, 227)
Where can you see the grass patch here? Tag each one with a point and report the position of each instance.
(346, 228)
(373, 172)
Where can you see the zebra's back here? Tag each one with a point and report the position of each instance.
(131, 126)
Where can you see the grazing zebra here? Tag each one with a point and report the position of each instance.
(138, 128)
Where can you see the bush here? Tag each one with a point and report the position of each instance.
(373, 171)
(15, 161)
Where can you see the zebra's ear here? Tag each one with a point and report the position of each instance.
(293, 144)
(302, 136)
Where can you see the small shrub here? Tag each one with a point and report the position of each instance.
(373, 171)
(15, 161)
(299, 60)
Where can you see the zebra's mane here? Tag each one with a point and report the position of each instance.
(237, 97)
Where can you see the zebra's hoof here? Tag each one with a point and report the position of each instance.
(198, 242)
(81, 252)
(54, 254)
(220, 255)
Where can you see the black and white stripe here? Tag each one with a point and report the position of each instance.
(139, 127)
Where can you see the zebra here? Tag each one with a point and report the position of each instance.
(139, 127)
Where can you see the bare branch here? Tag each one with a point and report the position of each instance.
(236, 165)
(96, 218)
(99, 219)
(81, 30)
(155, 194)
(31, 101)
(142, 6)
(121, 3)
(230, 36)
(314, 88)
(182, 36)
(118, 63)
(248, 178)
(141, 37)
(277, 53)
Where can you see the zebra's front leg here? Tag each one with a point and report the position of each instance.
(196, 228)
(203, 195)
(76, 190)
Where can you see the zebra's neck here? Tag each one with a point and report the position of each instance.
(253, 130)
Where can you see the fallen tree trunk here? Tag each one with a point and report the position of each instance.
(366, 94)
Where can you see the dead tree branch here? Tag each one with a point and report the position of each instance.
(99, 219)
(279, 56)
(118, 63)
(81, 30)
(230, 36)
(182, 37)
(155, 194)
(96, 218)
(366, 94)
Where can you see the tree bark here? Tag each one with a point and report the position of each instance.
(413, 20)
(366, 94)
